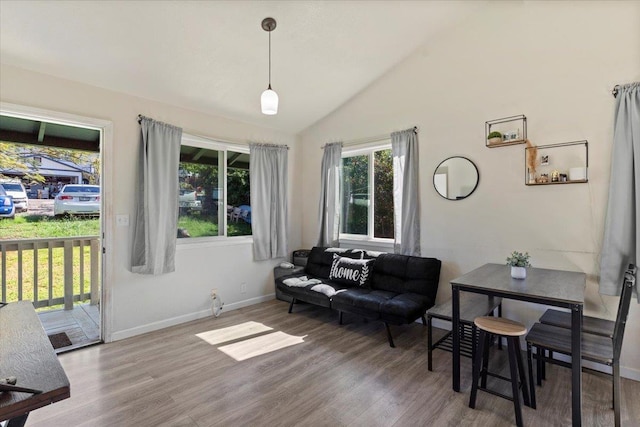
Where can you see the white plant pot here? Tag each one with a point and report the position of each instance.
(495, 140)
(519, 272)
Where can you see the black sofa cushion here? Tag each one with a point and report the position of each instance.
(404, 308)
(407, 274)
(361, 301)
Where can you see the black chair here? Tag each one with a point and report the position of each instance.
(590, 325)
(595, 348)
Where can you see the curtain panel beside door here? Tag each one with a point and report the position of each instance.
(156, 220)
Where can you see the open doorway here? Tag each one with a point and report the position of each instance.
(52, 249)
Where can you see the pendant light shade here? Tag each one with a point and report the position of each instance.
(269, 98)
(269, 102)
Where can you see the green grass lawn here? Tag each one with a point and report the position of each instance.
(198, 226)
(39, 226)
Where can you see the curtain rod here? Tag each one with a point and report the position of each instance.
(615, 90)
(216, 139)
(368, 139)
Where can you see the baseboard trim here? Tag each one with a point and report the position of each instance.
(166, 323)
(630, 373)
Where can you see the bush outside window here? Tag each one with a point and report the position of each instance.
(365, 173)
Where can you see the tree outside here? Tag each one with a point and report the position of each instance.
(356, 198)
(208, 184)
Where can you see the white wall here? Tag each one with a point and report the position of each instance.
(137, 303)
(555, 62)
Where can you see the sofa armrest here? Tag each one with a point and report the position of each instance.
(280, 271)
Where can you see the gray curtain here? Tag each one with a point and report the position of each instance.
(156, 222)
(621, 244)
(268, 176)
(330, 197)
(406, 198)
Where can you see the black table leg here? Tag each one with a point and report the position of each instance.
(455, 311)
(576, 365)
(429, 344)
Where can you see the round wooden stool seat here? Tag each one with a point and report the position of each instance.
(500, 326)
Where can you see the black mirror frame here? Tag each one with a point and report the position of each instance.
(433, 179)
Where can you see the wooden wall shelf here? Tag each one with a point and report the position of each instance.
(565, 158)
(516, 125)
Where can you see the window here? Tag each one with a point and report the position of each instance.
(213, 198)
(364, 173)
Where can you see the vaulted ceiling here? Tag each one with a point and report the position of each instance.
(212, 56)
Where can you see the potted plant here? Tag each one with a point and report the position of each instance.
(519, 263)
(494, 137)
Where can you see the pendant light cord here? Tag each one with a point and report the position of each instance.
(269, 59)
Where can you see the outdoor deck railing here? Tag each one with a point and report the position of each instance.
(31, 267)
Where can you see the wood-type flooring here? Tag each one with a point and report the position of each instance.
(339, 376)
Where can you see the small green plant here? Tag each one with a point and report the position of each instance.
(519, 259)
(494, 134)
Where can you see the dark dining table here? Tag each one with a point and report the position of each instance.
(27, 355)
(557, 288)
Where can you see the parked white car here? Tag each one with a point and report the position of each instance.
(16, 190)
(77, 199)
(188, 201)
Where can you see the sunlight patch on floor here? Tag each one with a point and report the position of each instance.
(264, 344)
(218, 336)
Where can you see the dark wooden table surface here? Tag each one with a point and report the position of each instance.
(26, 353)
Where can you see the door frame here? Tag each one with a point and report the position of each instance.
(106, 181)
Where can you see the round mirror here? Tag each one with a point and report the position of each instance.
(456, 178)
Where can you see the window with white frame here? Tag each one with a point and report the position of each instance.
(213, 180)
(367, 193)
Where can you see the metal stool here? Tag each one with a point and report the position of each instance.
(512, 331)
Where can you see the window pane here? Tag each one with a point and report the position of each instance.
(383, 194)
(238, 194)
(199, 178)
(355, 202)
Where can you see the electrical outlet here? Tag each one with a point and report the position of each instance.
(214, 293)
(122, 220)
(243, 288)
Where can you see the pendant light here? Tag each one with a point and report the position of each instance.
(269, 98)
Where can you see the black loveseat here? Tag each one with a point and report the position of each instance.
(396, 289)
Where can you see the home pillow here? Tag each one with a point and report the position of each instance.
(349, 271)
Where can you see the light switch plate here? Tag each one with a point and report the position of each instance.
(122, 220)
